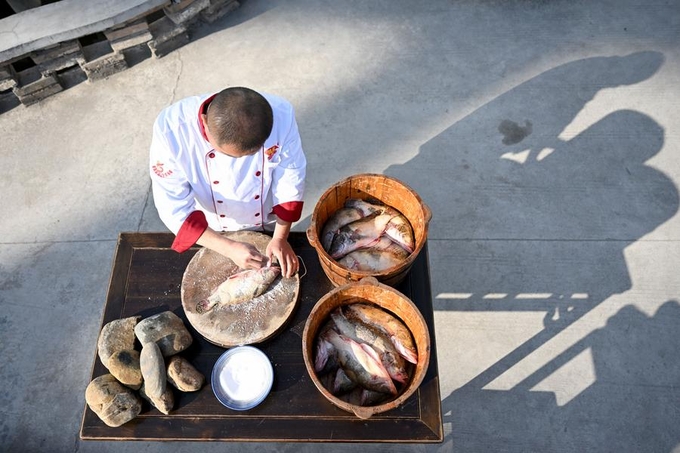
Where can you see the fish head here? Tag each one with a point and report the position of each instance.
(363, 206)
(399, 230)
(273, 270)
(341, 245)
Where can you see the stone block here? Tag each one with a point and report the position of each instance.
(137, 54)
(8, 101)
(160, 48)
(101, 61)
(218, 9)
(186, 11)
(8, 78)
(128, 36)
(33, 86)
(38, 89)
(176, 6)
(168, 36)
(105, 66)
(55, 58)
(27, 77)
(71, 77)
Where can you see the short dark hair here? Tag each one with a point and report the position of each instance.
(241, 117)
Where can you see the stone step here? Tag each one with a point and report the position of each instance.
(101, 61)
(218, 9)
(33, 86)
(168, 36)
(129, 36)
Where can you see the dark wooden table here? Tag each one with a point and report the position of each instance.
(146, 279)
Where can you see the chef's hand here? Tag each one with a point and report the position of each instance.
(281, 249)
(245, 256)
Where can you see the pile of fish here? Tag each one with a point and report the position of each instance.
(240, 287)
(367, 236)
(364, 354)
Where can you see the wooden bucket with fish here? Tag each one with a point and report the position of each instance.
(368, 293)
(386, 191)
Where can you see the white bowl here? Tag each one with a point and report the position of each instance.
(242, 378)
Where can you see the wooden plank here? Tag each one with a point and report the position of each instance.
(146, 279)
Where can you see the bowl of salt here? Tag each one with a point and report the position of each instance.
(242, 378)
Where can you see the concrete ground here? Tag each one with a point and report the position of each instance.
(543, 135)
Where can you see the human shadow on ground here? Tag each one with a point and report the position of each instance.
(540, 204)
(631, 405)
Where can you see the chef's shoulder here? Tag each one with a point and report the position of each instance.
(281, 108)
(180, 117)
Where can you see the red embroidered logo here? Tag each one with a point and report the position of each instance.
(159, 170)
(271, 151)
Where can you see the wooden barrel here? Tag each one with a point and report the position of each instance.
(386, 190)
(369, 290)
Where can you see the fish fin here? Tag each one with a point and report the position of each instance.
(321, 356)
(405, 352)
(371, 397)
(372, 243)
(371, 352)
(202, 306)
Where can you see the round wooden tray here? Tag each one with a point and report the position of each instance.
(251, 322)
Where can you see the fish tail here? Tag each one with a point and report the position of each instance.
(370, 397)
(205, 305)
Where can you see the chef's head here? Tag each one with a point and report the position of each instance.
(238, 121)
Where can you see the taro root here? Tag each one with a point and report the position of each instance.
(153, 370)
(165, 329)
(164, 403)
(113, 403)
(117, 335)
(183, 375)
(124, 366)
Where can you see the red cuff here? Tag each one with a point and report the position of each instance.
(192, 229)
(290, 211)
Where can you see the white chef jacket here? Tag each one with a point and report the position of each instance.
(195, 186)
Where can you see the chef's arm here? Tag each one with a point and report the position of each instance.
(244, 255)
(281, 249)
(282, 229)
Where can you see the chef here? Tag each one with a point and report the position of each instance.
(225, 162)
